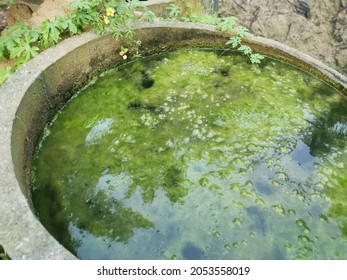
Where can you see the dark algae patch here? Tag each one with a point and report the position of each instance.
(197, 155)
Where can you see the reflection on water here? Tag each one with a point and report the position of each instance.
(193, 155)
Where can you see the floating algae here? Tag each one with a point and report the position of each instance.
(195, 155)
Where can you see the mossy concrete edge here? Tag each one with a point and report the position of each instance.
(34, 93)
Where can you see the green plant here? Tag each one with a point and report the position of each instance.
(22, 42)
(3, 255)
(7, 2)
(235, 41)
(205, 19)
(19, 41)
(223, 24)
(5, 73)
(174, 11)
(117, 16)
(227, 24)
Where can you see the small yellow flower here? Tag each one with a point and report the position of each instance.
(123, 52)
(110, 12)
(106, 20)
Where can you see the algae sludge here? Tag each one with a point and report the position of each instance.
(197, 155)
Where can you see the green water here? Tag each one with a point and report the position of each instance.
(196, 155)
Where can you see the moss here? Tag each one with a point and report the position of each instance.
(173, 148)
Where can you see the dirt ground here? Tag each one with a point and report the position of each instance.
(315, 27)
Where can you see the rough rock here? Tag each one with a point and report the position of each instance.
(318, 28)
(340, 26)
(3, 14)
(17, 13)
(341, 58)
(50, 9)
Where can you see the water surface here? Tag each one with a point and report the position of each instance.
(197, 155)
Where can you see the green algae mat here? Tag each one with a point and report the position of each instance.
(197, 154)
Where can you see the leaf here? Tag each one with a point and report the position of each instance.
(50, 33)
(129, 33)
(25, 51)
(99, 28)
(72, 27)
(205, 19)
(245, 49)
(33, 51)
(117, 34)
(242, 31)
(191, 17)
(17, 52)
(133, 4)
(34, 34)
(61, 23)
(227, 24)
(148, 16)
(137, 55)
(123, 51)
(174, 11)
(81, 4)
(7, 42)
(121, 8)
(5, 73)
(234, 42)
(138, 43)
(18, 30)
(15, 34)
(256, 58)
(82, 19)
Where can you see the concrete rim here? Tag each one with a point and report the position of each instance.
(21, 233)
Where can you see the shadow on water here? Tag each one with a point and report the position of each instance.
(329, 130)
(110, 217)
(46, 201)
(329, 134)
(302, 153)
(191, 252)
(258, 217)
